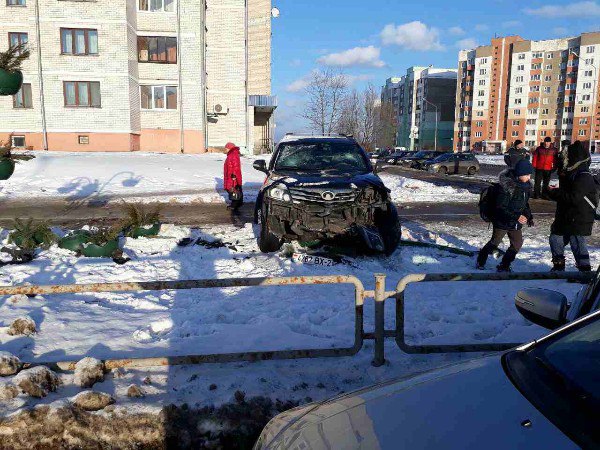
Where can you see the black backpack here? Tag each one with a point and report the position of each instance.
(596, 207)
(487, 202)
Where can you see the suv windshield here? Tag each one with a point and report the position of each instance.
(343, 157)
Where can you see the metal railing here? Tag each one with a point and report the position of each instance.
(263, 101)
(380, 295)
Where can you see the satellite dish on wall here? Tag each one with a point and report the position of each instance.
(275, 13)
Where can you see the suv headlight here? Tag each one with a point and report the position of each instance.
(281, 194)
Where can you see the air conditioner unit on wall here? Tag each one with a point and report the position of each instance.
(220, 109)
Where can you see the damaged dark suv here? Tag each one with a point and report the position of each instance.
(321, 188)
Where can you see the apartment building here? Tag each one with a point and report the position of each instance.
(140, 75)
(424, 104)
(528, 90)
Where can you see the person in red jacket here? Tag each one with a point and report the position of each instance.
(544, 162)
(232, 176)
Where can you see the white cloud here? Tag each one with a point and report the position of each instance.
(298, 85)
(481, 27)
(456, 31)
(511, 24)
(352, 79)
(295, 62)
(357, 56)
(412, 36)
(466, 44)
(576, 10)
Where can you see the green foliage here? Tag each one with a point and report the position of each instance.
(29, 235)
(138, 215)
(12, 59)
(103, 235)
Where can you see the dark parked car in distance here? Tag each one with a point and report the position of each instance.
(415, 161)
(453, 163)
(321, 188)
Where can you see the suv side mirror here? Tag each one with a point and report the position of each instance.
(542, 307)
(260, 165)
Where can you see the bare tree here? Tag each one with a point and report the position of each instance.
(325, 95)
(386, 126)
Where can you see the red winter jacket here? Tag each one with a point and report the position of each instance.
(232, 167)
(545, 158)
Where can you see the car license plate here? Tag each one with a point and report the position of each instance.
(312, 260)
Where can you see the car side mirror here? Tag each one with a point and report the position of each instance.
(260, 165)
(542, 307)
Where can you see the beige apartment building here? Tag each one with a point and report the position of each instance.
(140, 75)
(528, 90)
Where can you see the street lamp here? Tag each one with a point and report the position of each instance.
(592, 134)
(436, 122)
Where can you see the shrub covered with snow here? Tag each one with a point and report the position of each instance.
(92, 400)
(9, 364)
(134, 391)
(8, 391)
(88, 371)
(23, 326)
(38, 381)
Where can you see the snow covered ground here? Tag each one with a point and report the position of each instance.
(151, 177)
(116, 325)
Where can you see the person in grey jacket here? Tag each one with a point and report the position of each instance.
(515, 154)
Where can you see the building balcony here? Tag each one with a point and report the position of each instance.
(267, 103)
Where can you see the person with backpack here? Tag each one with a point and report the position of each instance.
(515, 154)
(544, 162)
(506, 206)
(576, 204)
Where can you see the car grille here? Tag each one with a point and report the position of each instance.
(316, 195)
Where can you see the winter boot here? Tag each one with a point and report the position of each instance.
(483, 255)
(503, 268)
(584, 268)
(559, 264)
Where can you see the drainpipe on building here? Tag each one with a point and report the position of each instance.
(246, 22)
(204, 78)
(180, 75)
(39, 52)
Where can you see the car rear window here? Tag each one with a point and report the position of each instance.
(318, 156)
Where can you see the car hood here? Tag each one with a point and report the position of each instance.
(467, 406)
(331, 181)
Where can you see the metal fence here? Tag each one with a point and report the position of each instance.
(380, 295)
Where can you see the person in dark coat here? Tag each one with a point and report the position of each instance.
(232, 176)
(515, 154)
(511, 212)
(574, 219)
(544, 162)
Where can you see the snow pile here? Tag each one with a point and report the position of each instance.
(88, 371)
(38, 381)
(92, 400)
(132, 176)
(22, 326)
(408, 190)
(9, 364)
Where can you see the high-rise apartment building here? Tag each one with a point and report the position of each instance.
(528, 90)
(149, 75)
(424, 103)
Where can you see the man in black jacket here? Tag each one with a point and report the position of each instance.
(515, 154)
(576, 199)
(511, 212)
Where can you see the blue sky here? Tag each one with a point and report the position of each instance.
(371, 40)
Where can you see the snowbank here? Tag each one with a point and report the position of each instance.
(146, 324)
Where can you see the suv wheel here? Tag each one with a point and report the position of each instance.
(443, 170)
(472, 170)
(267, 241)
(389, 227)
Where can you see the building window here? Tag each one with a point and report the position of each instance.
(156, 5)
(587, 85)
(582, 132)
(478, 134)
(542, 133)
(531, 121)
(519, 90)
(481, 82)
(17, 141)
(15, 3)
(520, 79)
(157, 49)
(548, 66)
(481, 93)
(536, 66)
(75, 41)
(158, 97)
(545, 111)
(480, 103)
(547, 90)
(22, 99)
(588, 61)
(521, 67)
(83, 140)
(521, 55)
(537, 77)
(517, 112)
(478, 124)
(518, 101)
(516, 123)
(85, 94)
(537, 55)
(549, 56)
(583, 121)
(16, 39)
(535, 88)
(482, 71)
(544, 123)
(590, 49)
(545, 101)
(586, 97)
(585, 109)
(532, 112)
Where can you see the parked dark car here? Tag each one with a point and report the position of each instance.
(320, 188)
(415, 161)
(396, 157)
(379, 155)
(544, 394)
(453, 163)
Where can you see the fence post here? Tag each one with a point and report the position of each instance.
(379, 320)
